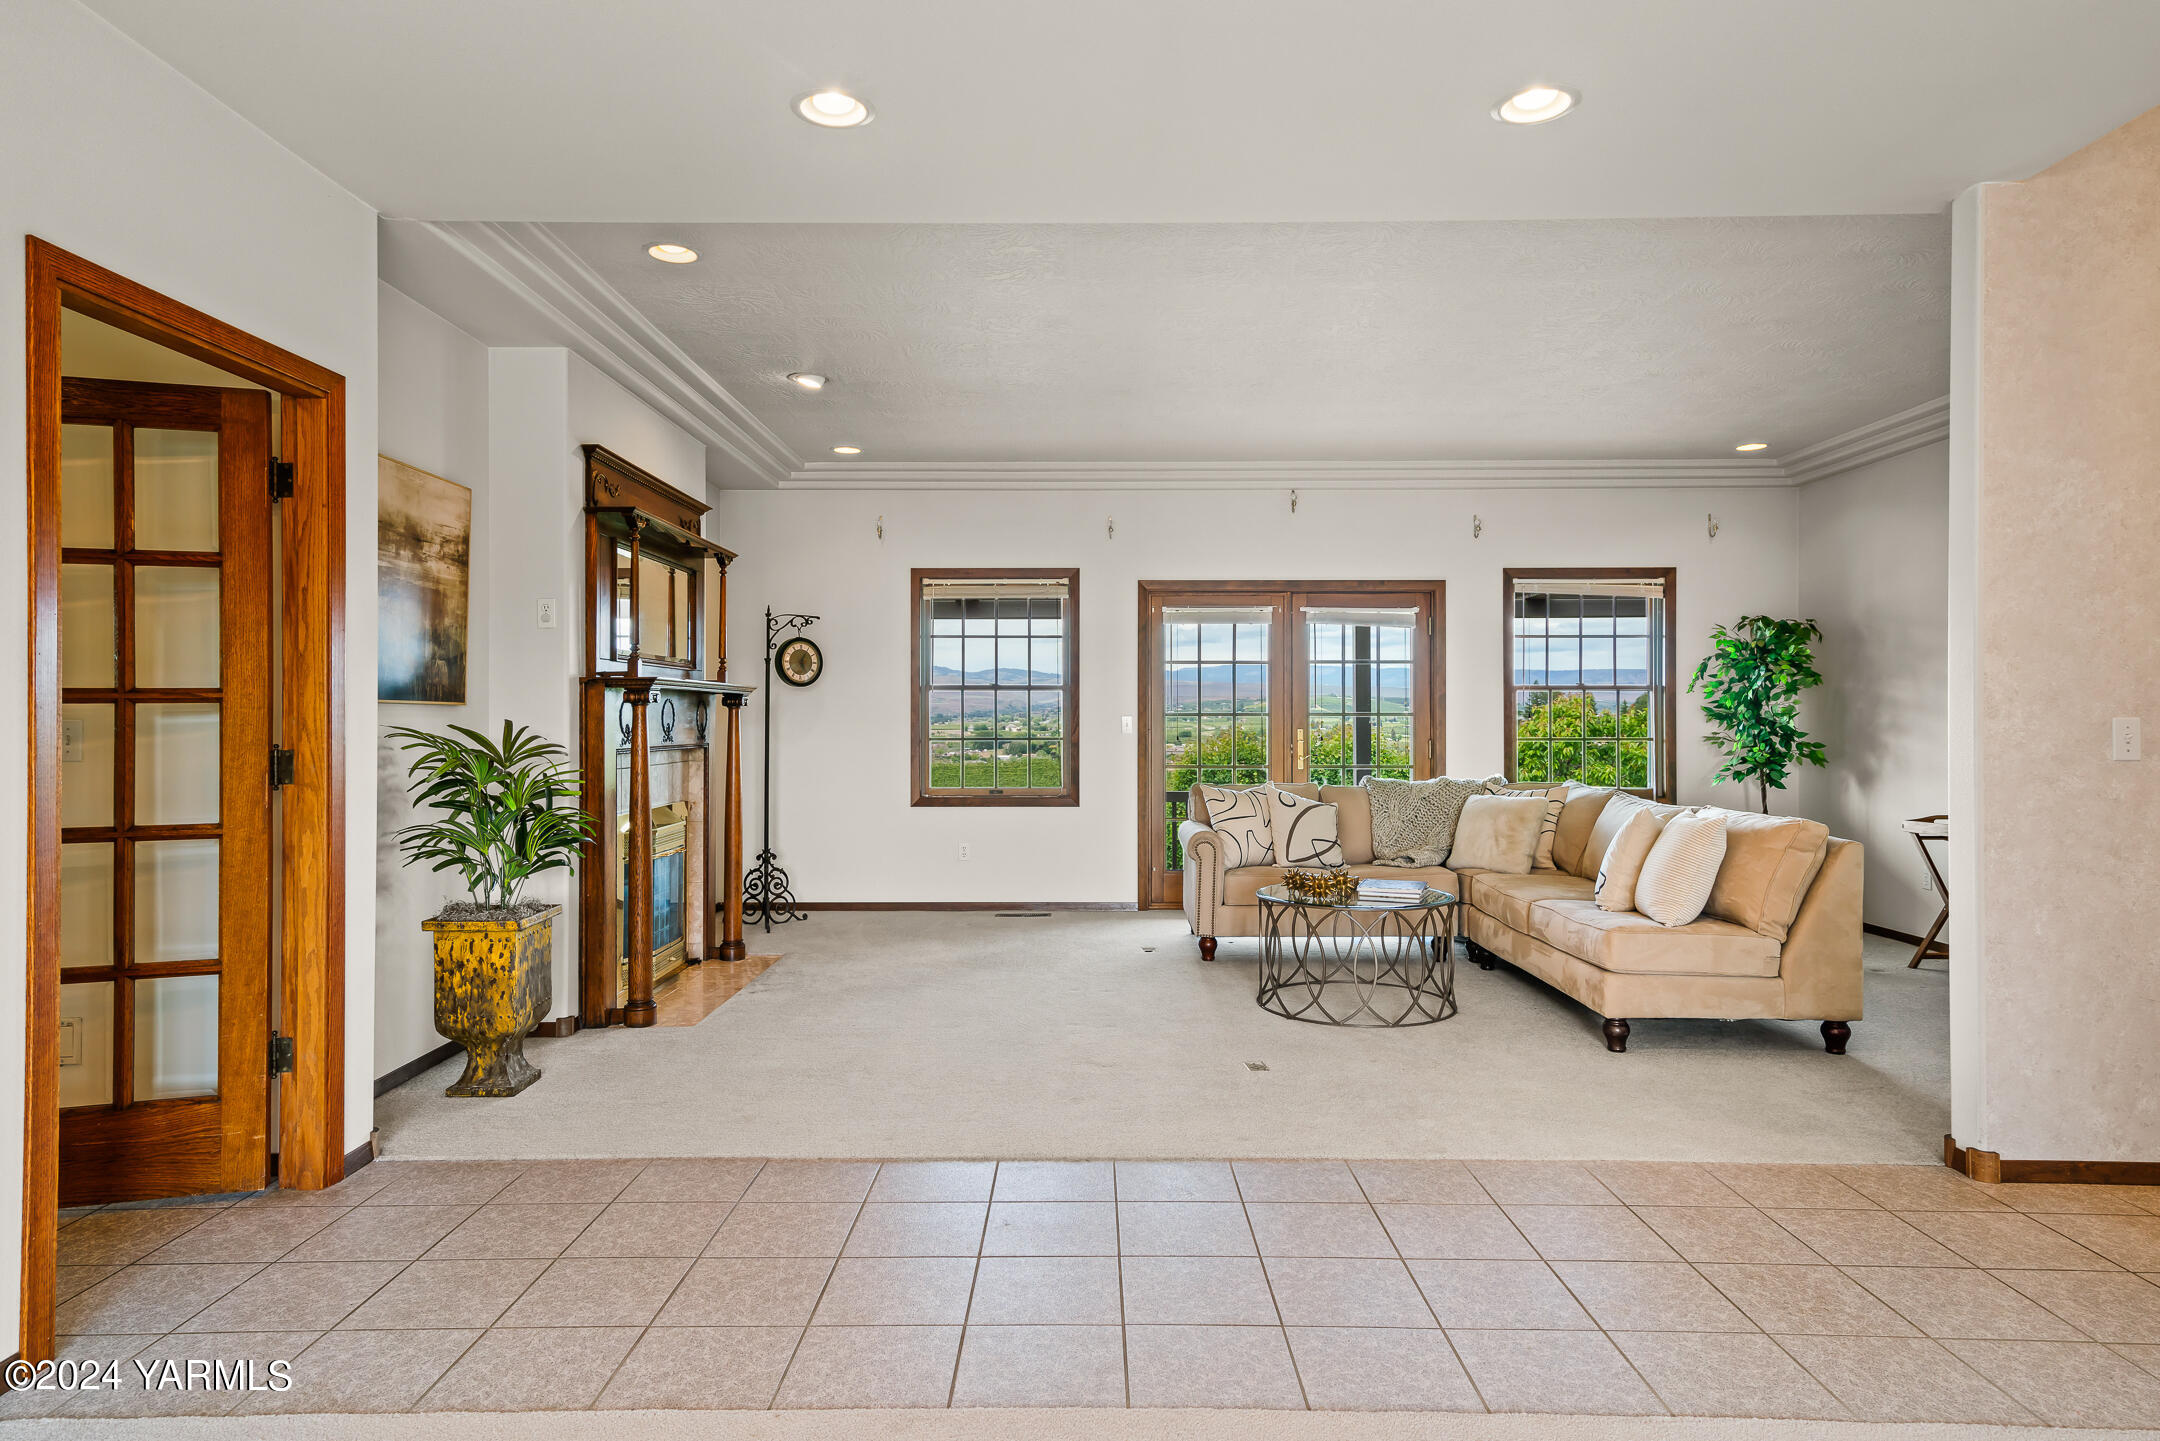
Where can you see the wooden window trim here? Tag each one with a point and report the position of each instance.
(1155, 594)
(312, 721)
(1668, 709)
(919, 790)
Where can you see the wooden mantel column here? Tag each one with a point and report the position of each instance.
(731, 860)
(638, 1008)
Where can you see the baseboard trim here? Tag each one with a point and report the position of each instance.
(966, 906)
(1990, 1168)
(1939, 951)
(391, 1080)
(560, 1027)
(359, 1156)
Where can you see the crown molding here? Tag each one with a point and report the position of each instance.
(577, 309)
(1866, 444)
(1279, 475)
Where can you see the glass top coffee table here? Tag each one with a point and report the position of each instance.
(1357, 963)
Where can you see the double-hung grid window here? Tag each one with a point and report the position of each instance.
(1589, 678)
(996, 687)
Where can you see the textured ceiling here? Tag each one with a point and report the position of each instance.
(1667, 339)
(1163, 110)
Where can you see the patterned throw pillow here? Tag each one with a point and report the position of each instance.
(1304, 831)
(1240, 817)
(1675, 882)
(1624, 859)
(1556, 796)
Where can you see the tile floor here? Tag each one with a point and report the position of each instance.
(1889, 1293)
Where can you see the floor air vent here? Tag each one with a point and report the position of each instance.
(1023, 915)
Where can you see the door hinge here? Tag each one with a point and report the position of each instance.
(281, 1054)
(281, 768)
(281, 480)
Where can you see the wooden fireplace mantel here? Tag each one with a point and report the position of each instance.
(644, 695)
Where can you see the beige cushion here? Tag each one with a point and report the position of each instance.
(1770, 861)
(1303, 830)
(1242, 887)
(1578, 813)
(1499, 833)
(1629, 941)
(1555, 798)
(1676, 880)
(1624, 860)
(1510, 899)
(1353, 822)
(1240, 817)
(1618, 807)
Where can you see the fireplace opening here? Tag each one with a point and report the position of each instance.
(670, 855)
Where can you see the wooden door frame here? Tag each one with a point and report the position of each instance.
(312, 719)
(1669, 709)
(1150, 689)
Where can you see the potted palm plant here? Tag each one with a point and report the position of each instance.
(504, 812)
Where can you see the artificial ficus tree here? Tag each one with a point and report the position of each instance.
(1751, 683)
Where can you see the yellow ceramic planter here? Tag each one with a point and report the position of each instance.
(494, 981)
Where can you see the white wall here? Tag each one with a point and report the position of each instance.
(510, 419)
(111, 154)
(1874, 573)
(434, 416)
(843, 825)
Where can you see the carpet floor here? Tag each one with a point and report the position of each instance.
(1089, 1034)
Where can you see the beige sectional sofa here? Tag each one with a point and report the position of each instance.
(1780, 940)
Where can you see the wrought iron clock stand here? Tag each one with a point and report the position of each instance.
(767, 901)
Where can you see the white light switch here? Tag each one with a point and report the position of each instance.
(547, 615)
(2124, 741)
(1128, 725)
(71, 1040)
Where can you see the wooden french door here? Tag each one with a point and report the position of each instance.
(165, 636)
(1246, 681)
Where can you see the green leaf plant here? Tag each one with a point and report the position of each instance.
(1751, 683)
(508, 809)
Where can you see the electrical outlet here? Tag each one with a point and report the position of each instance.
(71, 733)
(1927, 883)
(967, 852)
(2125, 741)
(547, 615)
(71, 1040)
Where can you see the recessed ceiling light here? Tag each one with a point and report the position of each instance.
(847, 450)
(1753, 445)
(807, 379)
(1536, 104)
(672, 254)
(833, 109)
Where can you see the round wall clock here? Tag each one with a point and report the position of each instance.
(799, 661)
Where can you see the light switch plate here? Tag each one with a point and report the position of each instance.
(71, 733)
(71, 1040)
(2125, 741)
(1128, 725)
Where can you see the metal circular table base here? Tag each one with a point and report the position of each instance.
(1357, 965)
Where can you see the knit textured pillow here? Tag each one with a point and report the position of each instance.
(1557, 795)
(1624, 860)
(1413, 822)
(1304, 830)
(1676, 879)
(1240, 817)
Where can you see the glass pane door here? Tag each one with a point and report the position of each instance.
(164, 619)
(1360, 690)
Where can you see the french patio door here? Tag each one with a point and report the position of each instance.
(1246, 681)
(164, 790)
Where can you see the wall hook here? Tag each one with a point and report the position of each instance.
(1293, 502)
(881, 527)
(1477, 527)
(1110, 528)
(1711, 520)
